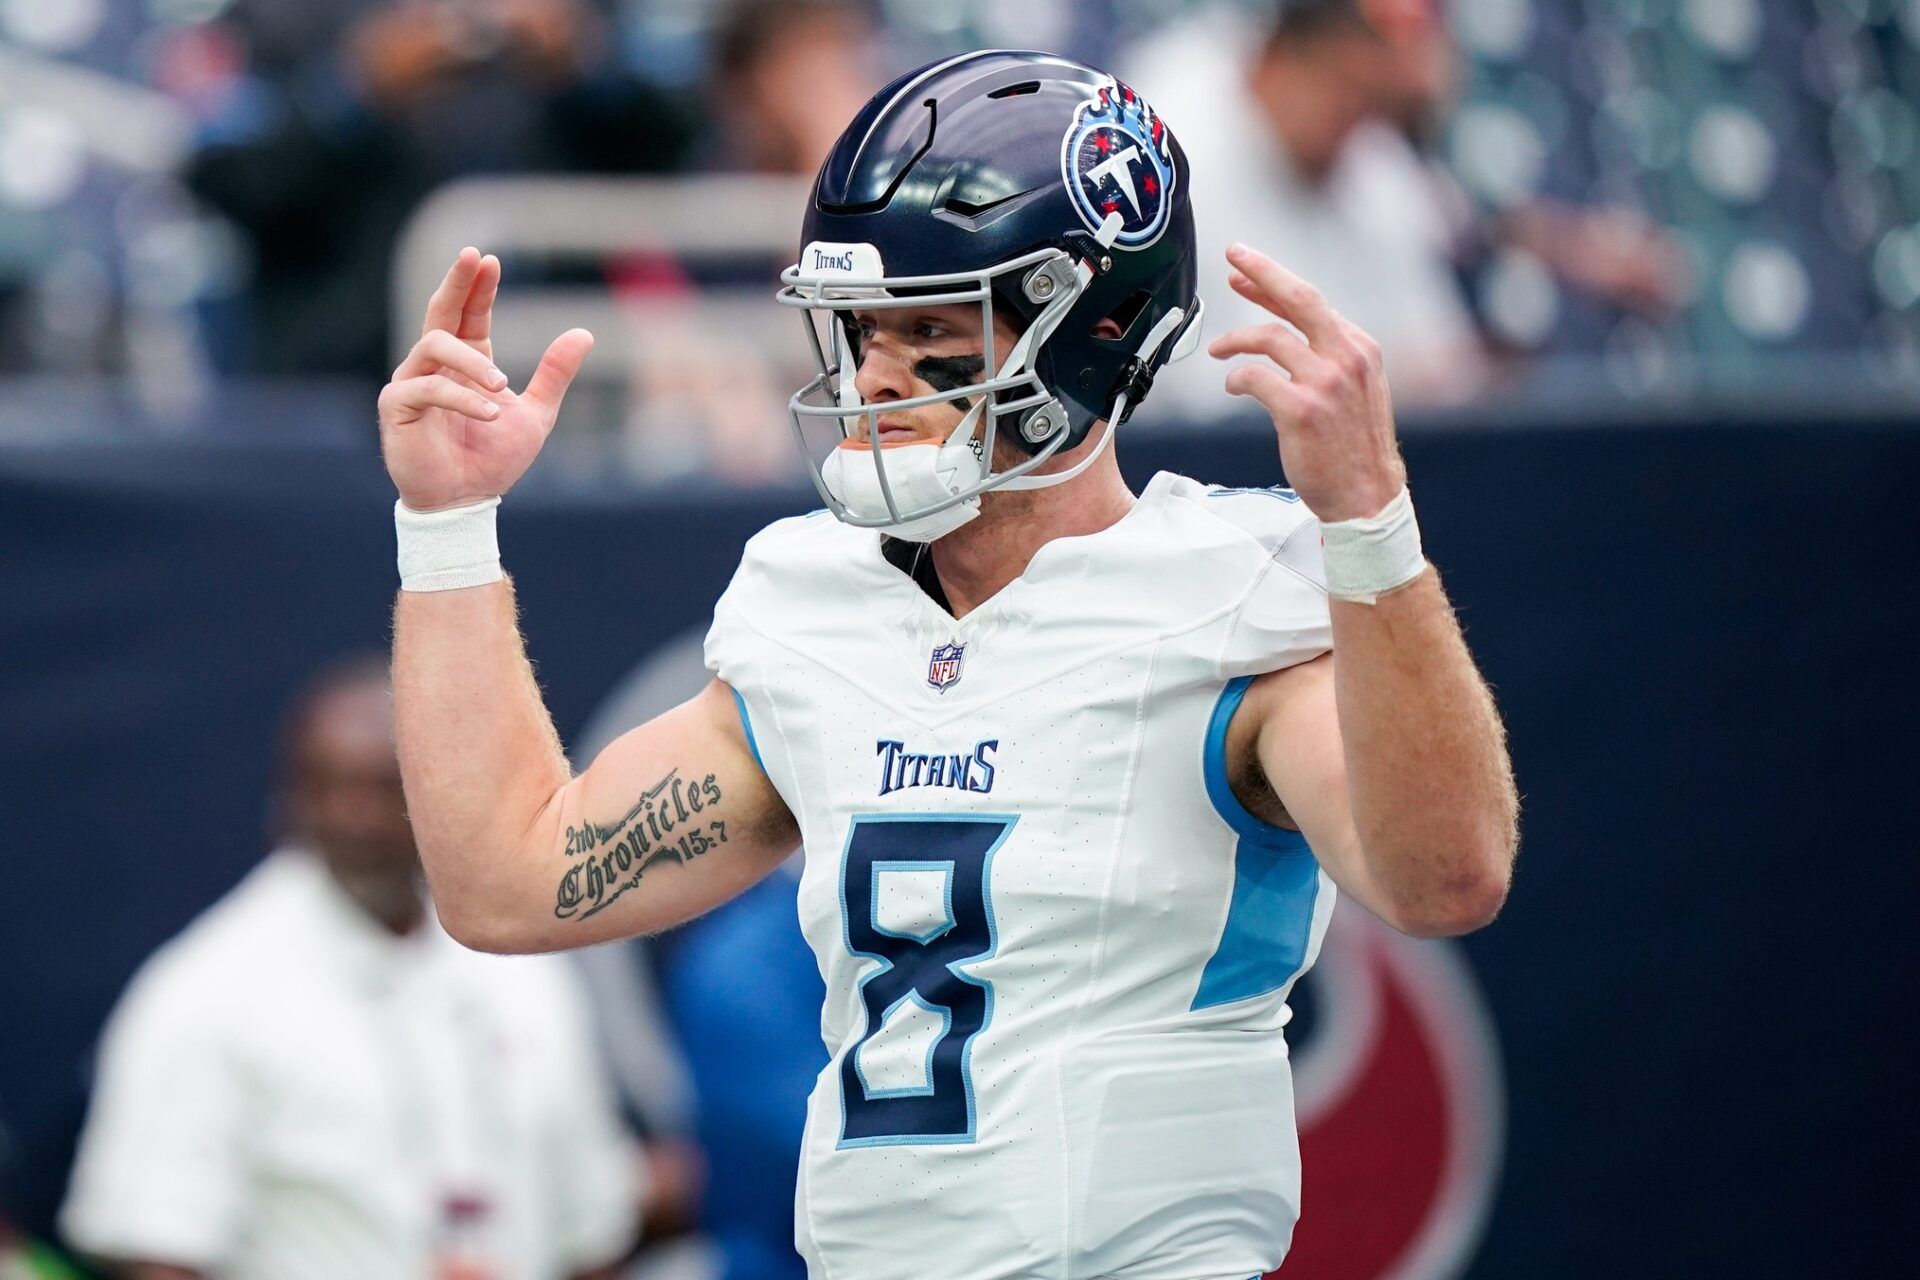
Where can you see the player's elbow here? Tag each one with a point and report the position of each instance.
(1452, 917)
(494, 937)
(479, 927)
(474, 931)
(1459, 905)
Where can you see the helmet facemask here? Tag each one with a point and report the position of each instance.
(923, 489)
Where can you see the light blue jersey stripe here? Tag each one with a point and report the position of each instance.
(1275, 884)
(747, 724)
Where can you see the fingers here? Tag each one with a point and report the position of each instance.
(407, 398)
(549, 383)
(447, 302)
(476, 318)
(1339, 348)
(439, 349)
(1274, 341)
(1263, 382)
(1283, 293)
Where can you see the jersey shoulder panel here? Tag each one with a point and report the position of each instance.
(792, 576)
(1275, 517)
(793, 556)
(1283, 617)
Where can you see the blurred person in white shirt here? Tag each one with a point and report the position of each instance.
(1302, 133)
(313, 1080)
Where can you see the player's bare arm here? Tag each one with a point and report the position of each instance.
(671, 819)
(1390, 756)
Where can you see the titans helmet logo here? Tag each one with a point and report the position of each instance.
(1117, 158)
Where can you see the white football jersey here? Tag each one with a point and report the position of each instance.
(1057, 950)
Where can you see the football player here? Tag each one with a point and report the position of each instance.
(1078, 772)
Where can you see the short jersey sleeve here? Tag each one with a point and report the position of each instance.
(783, 568)
(722, 647)
(1282, 618)
(734, 645)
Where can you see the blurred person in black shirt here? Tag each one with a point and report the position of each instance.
(355, 110)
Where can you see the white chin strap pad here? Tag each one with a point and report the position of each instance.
(919, 475)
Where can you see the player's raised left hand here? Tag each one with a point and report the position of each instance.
(1322, 382)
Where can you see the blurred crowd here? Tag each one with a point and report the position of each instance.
(1675, 190)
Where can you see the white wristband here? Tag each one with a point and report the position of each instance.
(1367, 558)
(447, 549)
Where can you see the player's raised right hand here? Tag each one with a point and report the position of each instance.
(451, 429)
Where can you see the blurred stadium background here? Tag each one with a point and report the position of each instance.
(1678, 532)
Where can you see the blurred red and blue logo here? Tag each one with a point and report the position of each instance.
(1400, 1099)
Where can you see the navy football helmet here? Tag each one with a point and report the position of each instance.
(1015, 180)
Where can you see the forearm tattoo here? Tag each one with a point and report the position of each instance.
(663, 826)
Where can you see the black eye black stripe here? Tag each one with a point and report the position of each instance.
(949, 373)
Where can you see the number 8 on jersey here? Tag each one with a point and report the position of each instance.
(915, 896)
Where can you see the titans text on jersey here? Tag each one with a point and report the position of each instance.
(1057, 949)
(962, 771)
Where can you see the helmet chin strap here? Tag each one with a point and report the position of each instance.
(1169, 323)
(1052, 478)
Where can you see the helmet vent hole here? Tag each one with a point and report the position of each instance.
(973, 209)
(1122, 316)
(1015, 90)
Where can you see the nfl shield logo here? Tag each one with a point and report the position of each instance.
(944, 668)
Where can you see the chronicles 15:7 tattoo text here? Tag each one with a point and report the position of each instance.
(611, 859)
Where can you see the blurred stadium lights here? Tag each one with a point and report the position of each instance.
(1730, 29)
(1781, 141)
(185, 13)
(1766, 290)
(1496, 30)
(1498, 153)
(42, 157)
(1732, 154)
(1521, 299)
(124, 124)
(52, 27)
(82, 239)
(1896, 266)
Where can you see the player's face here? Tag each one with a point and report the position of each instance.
(917, 351)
